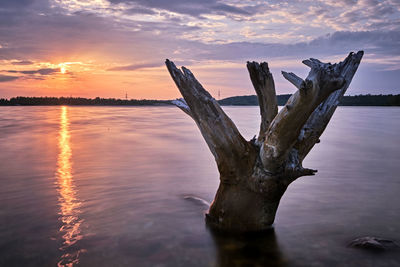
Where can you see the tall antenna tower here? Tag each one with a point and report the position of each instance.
(219, 94)
(126, 95)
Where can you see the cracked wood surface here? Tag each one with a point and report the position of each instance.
(255, 174)
(264, 86)
(284, 131)
(231, 151)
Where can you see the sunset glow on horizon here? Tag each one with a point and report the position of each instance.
(107, 48)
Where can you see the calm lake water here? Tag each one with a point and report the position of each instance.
(106, 186)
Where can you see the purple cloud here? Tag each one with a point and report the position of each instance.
(135, 67)
(6, 78)
(22, 62)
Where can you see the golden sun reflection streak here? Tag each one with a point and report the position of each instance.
(68, 201)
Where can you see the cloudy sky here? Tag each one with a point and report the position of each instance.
(109, 47)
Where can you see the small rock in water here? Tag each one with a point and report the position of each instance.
(373, 243)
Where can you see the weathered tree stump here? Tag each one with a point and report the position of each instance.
(255, 174)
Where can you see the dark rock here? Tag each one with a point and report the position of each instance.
(373, 243)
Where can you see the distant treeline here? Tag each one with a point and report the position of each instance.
(357, 100)
(249, 100)
(78, 101)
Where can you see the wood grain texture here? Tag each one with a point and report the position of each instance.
(255, 174)
(264, 85)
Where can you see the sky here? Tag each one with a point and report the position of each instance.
(108, 48)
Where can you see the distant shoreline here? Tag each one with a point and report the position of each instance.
(356, 100)
(249, 100)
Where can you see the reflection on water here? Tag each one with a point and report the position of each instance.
(125, 172)
(68, 201)
(248, 249)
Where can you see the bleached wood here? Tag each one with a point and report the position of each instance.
(264, 86)
(285, 129)
(293, 78)
(225, 142)
(254, 175)
(181, 103)
(321, 116)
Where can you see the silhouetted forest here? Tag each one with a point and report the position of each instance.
(249, 100)
(357, 100)
(78, 101)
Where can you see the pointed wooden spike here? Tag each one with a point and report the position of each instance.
(307, 62)
(312, 62)
(221, 135)
(319, 119)
(293, 78)
(181, 103)
(263, 84)
(323, 80)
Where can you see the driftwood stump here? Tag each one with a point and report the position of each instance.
(255, 174)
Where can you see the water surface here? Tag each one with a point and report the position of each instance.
(106, 186)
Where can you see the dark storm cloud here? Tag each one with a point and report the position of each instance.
(135, 67)
(6, 78)
(192, 7)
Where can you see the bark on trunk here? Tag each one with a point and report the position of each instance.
(255, 174)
